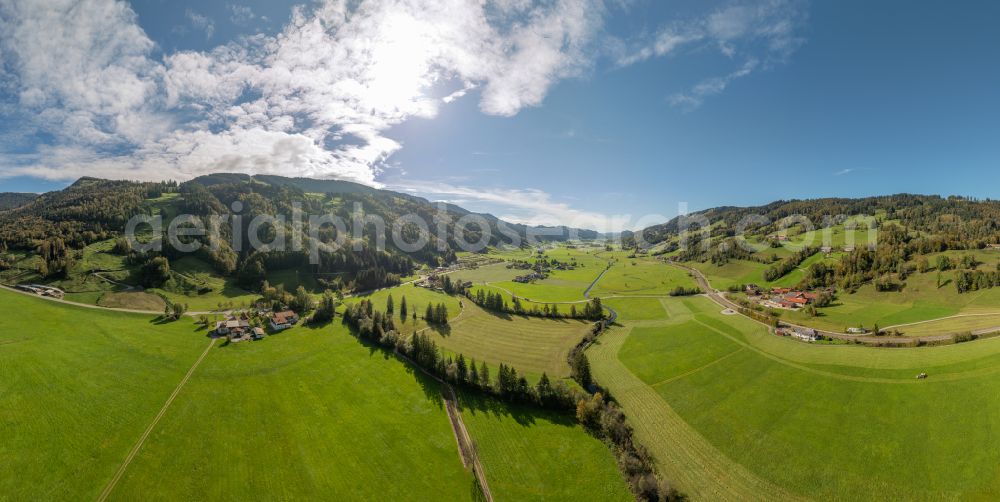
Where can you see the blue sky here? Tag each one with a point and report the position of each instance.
(600, 114)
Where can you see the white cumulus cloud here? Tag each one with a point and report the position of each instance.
(314, 99)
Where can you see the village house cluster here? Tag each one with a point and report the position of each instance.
(781, 298)
(237, 328)
(435, 282)
(540, 270)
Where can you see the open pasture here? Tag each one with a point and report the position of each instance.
(637, 309)
(538, 455)
(495, 272)
(79, 387)
(731, 411)
(305, 412)
(195, 273)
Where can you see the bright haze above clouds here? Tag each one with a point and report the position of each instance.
(354, 90)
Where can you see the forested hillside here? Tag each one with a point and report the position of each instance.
(10, 200)
(959, 222)
(55, 225)
(891, 239)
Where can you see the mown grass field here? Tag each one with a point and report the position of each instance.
(732, 412)
(530, 344)
(739, 272)
(536, 455)
(922, 298)
(496, 272)
(79, 387)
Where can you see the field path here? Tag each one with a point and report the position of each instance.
(684, 455)
(466, 448)
(142, 439)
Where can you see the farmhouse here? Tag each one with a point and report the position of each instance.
(231, 326)
(787, 298)
(752, 290)
(237, 329)
(524, 279)
(805, 334)
(433, 282)
(283, 320)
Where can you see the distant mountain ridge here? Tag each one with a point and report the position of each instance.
(310, 185)
(980, 218)
(11, 200)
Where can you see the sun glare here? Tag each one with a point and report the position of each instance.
(401, 61)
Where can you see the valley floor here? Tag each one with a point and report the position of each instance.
(728, 410)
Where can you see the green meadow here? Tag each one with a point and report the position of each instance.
(732, 412)
(305, 412)
(637, 309)
(561, 285)
(417, 299)
(79, 387)
(532, 455)
(641, 276)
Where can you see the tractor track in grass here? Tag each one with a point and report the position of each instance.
(691, 372)
(142, 439)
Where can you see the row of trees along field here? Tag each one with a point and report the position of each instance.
(495, 301)
(598, 414)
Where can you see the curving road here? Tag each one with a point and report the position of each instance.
(720, 299)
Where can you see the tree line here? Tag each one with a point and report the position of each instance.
(496, 302)
(598, 414)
